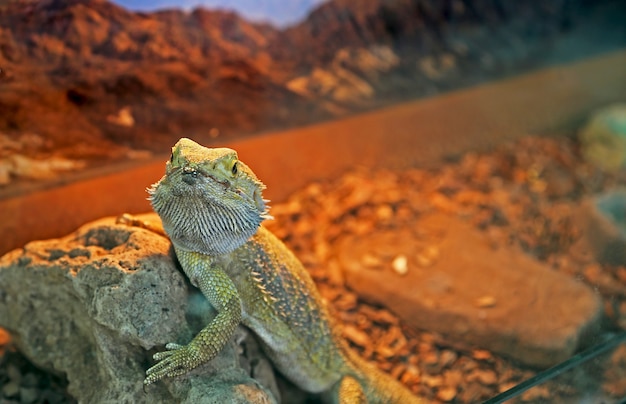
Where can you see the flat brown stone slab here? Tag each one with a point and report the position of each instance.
(443, 275)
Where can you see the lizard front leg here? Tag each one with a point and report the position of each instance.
(220, 291)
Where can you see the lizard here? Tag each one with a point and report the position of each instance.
(211, 207)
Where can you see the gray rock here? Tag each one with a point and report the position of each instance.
(98, 303)
(603, 219)
(444, 276)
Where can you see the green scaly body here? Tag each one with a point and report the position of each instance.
(211, 207)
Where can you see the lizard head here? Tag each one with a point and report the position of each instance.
(208, 200)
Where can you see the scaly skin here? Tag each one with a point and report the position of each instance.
(211, 208)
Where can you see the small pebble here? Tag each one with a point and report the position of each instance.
(485, 377)
(411, 375)
(356, 336)
(446, 393)
(397, 371)
(28, 395)
(371, 261)
(10, 389)
(430, 358)
(400, 265)
(427, 256)
(506, 386)
(447, 358)
(453, 377)
(486, 301)
(432, 381)
(481, 354)
(384, 213)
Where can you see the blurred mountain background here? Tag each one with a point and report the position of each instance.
(277, 12)
(95, 81)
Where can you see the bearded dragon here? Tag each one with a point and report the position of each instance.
(211, 207)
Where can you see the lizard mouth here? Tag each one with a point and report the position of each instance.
(225, 183)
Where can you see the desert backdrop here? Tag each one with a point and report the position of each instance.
(87, 82)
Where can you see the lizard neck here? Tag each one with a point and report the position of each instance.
(203, 224)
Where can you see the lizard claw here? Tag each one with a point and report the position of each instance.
(176, 361)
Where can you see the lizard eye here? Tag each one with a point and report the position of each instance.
(234, 169)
